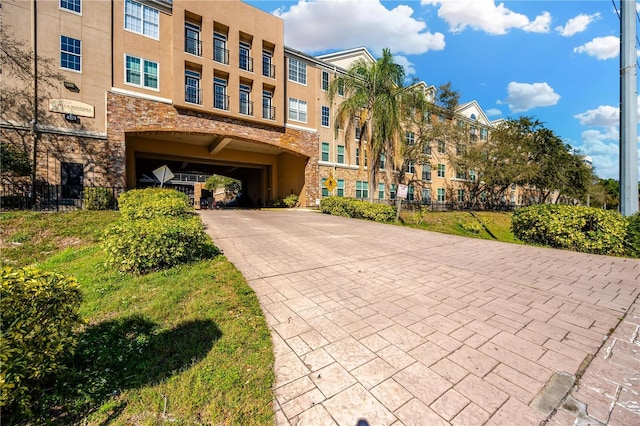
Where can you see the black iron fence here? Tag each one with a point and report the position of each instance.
(46, 197)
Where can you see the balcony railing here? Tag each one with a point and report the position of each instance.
(221, 102)
(193, 45)
(269, 70)
(246, 107)
(221, 55)
(269, 112)
(193, 95)
(246, 63)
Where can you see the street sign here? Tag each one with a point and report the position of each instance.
(402, 191)
(163, 174)
(330, 183)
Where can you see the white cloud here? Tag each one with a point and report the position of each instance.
(602, 147)
(604, 115)
(320, 25)
(577, 25)
(524, 96)
(601, 47)
(492, 112)
(409, 69)
(486, 16)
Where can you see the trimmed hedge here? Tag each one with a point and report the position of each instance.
(158, 229)
(39, 311)
(579, 228)
(632, 241)
(349, 207)
(96, 198)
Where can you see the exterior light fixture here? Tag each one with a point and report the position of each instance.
(71, 86)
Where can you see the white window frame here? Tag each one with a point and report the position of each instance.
(297, 71)
(70, 53)
(442, 195)
(340, 188)
(144, 20)
(326, 151)
(380, 190)
(442, 171)
(325, 116)
(67, 9)
(324, 85)
(364, 189)
(297, 110)
(340, 154)
(142, 62)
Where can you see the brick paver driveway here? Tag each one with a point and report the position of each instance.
(378, 324)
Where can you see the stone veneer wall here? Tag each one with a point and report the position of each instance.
(132, 114)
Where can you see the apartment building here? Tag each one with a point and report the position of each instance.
(200, 86)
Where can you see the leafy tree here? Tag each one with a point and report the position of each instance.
(371, 103)
(231, 186)
(14, 162)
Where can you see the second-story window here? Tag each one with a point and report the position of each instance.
(297, 71)
(192, 93)
(325, 116)
(141, 19)
(220, 99)
(246, 106)
(220, 52)
(141, 72)
(268, 69)
(325, 80)
(70, 53)
(246, 62)
(72, 5)
(192, 42)
(325, 151)
(268, 111)
(411, 138)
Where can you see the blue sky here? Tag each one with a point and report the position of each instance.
(557, 61)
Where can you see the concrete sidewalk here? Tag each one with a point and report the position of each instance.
(383, 325)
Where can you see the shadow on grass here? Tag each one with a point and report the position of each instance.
(123, 354)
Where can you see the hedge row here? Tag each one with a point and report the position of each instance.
(38, 311)
(579, 228)
(349, 207)
(158, 229)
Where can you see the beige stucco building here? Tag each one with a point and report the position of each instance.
(203, 87)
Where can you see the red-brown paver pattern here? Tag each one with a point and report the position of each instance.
(385, 325)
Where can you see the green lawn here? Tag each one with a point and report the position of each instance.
(185, 346)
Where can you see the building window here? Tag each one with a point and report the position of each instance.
(380, 190)
(460, 174)
(441, 170)
(268, 69)
(484, 134)
(442, 147)
(325, 116)
(325, 151)
(461, 195)
(246, 61)
(461, 149)
(427, 149)
(246, 106)
(382, 159)
(268, 110)
(297, 110)
(141, 72)
(410, 138)
(426, 172)
(426, 195)
(192, 42)
(340, 87)
(141, 19)
(193, 94)
(70, 53)
(325, 80)
(297, 71)
(340, 188)
(473, 133)
(72, 5)
(340, 159)
(392, 192)
(325, 190)
(411, 193)
(220, 98)
(220, 52)
(472, 175)
(71, 179)
(362, 189)
(411, 168)
(441, 197)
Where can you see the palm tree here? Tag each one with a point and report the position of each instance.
(371, 102)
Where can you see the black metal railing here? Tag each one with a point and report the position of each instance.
(246, 63)
(268, 70)
(221, 55)
(193, 45)
(46, 197)
(246, 107)
(221, 102)
(269, 112)
(193, 95)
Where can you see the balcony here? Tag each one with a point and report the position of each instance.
(221, 55)
(246, 63)
(193, 95)
(268, 70)
(269, 112)
(246, 107)
(193, 45)
(221, 102)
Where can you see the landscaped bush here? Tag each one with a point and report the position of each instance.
(98, 198)
(153, 202)
(290, 200)
(143, 245)
(39, 311)
(348, 207)
(632, 240)
(579, 228)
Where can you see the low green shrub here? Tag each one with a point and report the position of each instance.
(142, 245)
(584, 229)
(632, 240)
(360, 209)
(290, 200)
(154, 202)
(98, 198)
(39, 311)
(472, 227)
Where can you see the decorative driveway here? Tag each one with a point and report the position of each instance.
(376, 324)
